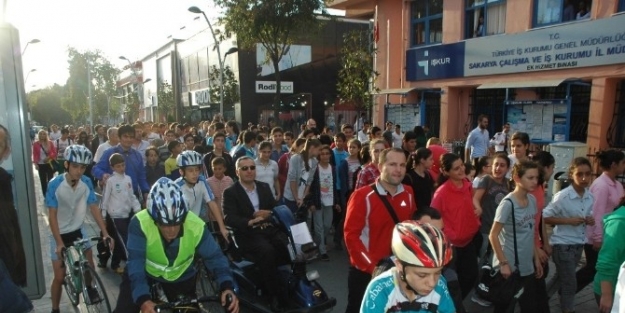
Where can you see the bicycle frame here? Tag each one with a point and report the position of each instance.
(76, 255)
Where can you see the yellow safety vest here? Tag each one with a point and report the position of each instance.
(156, 263)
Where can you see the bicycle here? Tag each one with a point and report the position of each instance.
(203, 304)
(80, 277)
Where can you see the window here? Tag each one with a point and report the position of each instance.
(621, 5)
(485, 18)
(427, 22)
(549, 12)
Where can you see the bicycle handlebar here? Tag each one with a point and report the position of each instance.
(188, 302)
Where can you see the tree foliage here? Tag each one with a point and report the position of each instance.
(231, 86)
(103, 84)
(166, 100)
(45, 106)
(274, 24)
(356, 78)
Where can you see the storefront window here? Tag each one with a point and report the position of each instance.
(549, 12)
(427, 22)
(621, 5)
(485, 18)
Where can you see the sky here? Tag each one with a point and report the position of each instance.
(132, 28)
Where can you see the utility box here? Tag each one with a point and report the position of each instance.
(564, 153)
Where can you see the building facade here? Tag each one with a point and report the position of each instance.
(552, 68)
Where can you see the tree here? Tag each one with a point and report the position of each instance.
(166, 100)
(356, 79)
(231, 86)
(45, 106)
(133, 106)
(271, 23)
(103, 84)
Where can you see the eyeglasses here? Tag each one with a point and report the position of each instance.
(245, 168)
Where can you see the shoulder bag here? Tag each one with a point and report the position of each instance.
(493, 287)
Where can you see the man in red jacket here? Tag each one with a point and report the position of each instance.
(369, 224)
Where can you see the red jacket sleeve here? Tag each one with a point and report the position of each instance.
(354, 224)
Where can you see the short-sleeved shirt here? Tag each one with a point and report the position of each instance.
(384, 294)
(197, 196)
(170, 165)
(494, 192)
(71, 203)
(567, 204)
(325, 185)
(525, 223)
(267, 173)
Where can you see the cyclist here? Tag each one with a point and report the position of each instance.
(162, 243)
(415, 283)
(196, 190)
(68, 197)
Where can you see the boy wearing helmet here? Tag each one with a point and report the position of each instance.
(196, 189)
(163, 242)
(68, 197)
(415, 283)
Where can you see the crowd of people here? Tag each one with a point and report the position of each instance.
(368, 190)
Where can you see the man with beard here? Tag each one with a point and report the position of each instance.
(372, 212)
(478, 141)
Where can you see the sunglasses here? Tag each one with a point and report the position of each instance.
(245, 168)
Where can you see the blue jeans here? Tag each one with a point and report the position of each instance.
(13, 298)
(566, 258)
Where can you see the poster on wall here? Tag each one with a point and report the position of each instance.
(406, 115)
(542, 120)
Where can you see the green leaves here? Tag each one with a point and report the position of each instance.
(165, 99)
(231, 86)
(356, 81)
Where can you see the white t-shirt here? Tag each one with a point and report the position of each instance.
(397, 140)
(325, 185)
(267, 173)
(61, 145)
(362, 137)
(55, 135)
(197, 196)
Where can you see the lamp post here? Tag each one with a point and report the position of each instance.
(197, 10)
(34, 41)
(139, 85)
(26, 79)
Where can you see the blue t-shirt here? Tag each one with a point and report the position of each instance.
(384, 295)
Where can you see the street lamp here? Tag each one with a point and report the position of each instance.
(197, 10)
(26, 79)
(34, 41)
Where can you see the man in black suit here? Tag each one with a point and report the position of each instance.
(248, 208)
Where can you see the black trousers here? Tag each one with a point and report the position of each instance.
(586, 274)
(357, 282)
(45, 174)
(121, 237)
(465, 264)
(541, 296)
(171, 290)
(267, 248)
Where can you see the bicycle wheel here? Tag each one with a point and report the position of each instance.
(70, 281)
(96, 301)
(207, 286)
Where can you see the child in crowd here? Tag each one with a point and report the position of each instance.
(196, 189)
(153, 170)
(288, 139)
(219, 142)
(469, 171)
(570, 211)
(119, 201)
(323, 199)
(175, 148)
(219, 181)
(482, 168)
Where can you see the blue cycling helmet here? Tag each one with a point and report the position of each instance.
(78, 154)
(166, 203)
(188, 158)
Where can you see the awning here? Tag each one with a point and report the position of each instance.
(523, 84)
(396, 91)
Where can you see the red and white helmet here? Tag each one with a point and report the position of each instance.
(420, 244)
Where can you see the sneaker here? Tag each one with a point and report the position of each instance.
(475, 298)
(102, 264)
(119, 270)
(94, 295)
(325, 257)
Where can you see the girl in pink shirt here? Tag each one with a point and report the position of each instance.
(608, 193)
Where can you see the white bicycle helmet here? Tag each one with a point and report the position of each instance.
(78, 154)
(188, 158)
(166, 203)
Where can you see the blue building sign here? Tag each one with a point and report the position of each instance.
(435, 62)
(572, 45)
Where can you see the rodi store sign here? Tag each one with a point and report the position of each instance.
(271, 86)
(201, 97)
